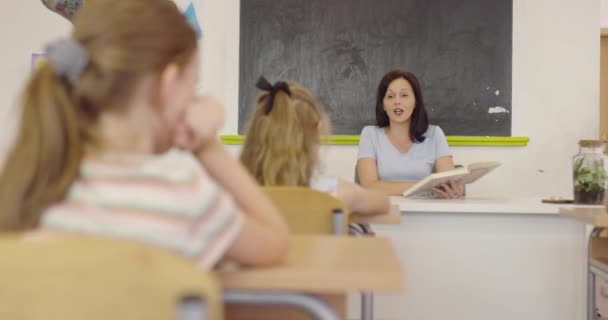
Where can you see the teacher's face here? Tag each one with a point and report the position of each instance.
(399, 101)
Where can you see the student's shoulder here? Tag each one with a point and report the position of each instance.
(175, 166)
(172, 184)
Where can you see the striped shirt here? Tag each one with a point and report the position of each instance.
(167, 201)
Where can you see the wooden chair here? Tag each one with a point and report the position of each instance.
(74, 277)
(309, 212)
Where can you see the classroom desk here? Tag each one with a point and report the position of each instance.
(597, 258)
(326, 266)
(486, 258)
(525, 206)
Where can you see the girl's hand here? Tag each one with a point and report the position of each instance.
(199, 124)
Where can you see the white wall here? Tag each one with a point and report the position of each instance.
(604, 13)
(25, 27)
(555, 86)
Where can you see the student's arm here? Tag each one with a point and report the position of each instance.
(264, 238)
(362, 201)
(368, 176)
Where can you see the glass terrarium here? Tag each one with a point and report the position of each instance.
(589, 172)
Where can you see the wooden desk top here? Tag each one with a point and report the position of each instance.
(325, 265)
(521, 206)
(392, 217)
(595, 216)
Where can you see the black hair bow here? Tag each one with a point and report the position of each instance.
(264, 85)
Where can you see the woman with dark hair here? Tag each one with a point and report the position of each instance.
(402, 147)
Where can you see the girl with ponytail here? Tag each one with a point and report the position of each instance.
(114, 142)
(282, 146)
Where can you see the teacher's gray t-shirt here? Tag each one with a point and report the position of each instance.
(393, 165)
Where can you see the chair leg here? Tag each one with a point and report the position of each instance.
(338, 222)
(355, 229)
(367, 229)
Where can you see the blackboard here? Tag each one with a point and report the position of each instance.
(461, 52)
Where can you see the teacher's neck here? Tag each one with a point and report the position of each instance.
(400, 131)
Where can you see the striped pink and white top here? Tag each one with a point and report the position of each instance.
(168, 201)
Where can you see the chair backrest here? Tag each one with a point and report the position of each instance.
(74, 277)
(308, 211)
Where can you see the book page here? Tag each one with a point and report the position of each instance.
(425, 186)
(478, 170)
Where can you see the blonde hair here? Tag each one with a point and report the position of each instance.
(281, 146)
(125, 40)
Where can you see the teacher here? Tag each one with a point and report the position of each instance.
(402, 148)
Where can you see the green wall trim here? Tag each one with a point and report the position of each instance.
(452, 141)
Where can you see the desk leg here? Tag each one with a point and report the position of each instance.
(591, 308)
(367, 306)
(315, 307)
(367, 298)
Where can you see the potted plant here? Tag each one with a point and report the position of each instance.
(589, 182)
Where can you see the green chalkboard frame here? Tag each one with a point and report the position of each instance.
(464, 141)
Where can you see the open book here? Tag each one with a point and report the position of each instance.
(467, 175)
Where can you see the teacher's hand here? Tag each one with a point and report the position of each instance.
(450, 190)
